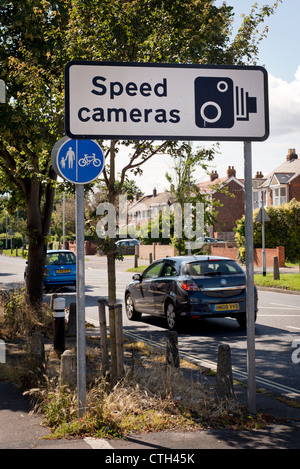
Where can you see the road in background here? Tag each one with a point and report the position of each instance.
(277, 326)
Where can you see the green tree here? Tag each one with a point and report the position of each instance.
(172, 31)
(70, 215)
(283, 229)
(159, 230)
(38, 37)
(31, 65)
(186, 192)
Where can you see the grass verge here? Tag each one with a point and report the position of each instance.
(286, 281)
(150, 397)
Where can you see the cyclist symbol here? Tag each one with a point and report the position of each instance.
(88, 159)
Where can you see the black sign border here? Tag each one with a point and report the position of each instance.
(164, 137)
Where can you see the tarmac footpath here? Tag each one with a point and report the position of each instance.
(21, 429)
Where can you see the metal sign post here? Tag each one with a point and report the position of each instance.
(249, 278)
(80, 300)
(263, 244)
(263, 217)
(79, 162)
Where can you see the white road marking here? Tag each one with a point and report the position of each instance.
(98, 443)
(286, 306)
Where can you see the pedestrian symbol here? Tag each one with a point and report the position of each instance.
(78, 161)
(70, 156)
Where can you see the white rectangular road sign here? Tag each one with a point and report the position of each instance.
(166, 101)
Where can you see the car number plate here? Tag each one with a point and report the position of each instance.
(227, 307)
(63, 271)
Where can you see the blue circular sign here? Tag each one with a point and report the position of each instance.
(79, 161)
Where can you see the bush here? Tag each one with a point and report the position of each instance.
(17, 240)
(283, 229)
(20, 318)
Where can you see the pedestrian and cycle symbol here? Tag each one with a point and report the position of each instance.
(79, 161)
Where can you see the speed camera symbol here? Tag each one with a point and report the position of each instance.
(218, 103)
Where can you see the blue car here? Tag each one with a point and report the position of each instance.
(189, 287)
(60, 268)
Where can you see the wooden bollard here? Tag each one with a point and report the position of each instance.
(72, 320)
(68, 369)
(119, 340)
(103, 335)
(172, 349)
(276, 275)
(224, 381)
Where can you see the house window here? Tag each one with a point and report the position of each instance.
(155, 211)
(279, 195)
(255, 200)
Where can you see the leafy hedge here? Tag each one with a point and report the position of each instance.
(17, 240)
(283, 229)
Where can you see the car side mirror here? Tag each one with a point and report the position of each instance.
(137, 277)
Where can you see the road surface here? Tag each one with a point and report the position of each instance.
(277, 330)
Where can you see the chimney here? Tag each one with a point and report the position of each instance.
(137, 196)
(154, 192)
(291, 155)
(230, 171)
(258, 175)
(214, 175)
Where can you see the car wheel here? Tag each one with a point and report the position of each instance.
(242, 320)
(171, 316)
(131, 313)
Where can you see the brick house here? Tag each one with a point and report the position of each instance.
(281, 185)
(148, 207)
(278, 187)
(232, 208)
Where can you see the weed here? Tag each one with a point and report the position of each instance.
(150, 397)
(19, 318)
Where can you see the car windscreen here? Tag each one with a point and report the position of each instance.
(213, 267)
(59, 258)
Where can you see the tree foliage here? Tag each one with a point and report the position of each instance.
(283, 229)
(38, 37)
(32, 119)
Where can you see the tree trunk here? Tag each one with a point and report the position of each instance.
(111, 274)
(38, 223)
(111, 270)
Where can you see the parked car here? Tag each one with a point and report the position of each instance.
(213, 240)
(127, 246)
(60, 268)
(189, 287)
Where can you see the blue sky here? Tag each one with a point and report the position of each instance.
(279, 54)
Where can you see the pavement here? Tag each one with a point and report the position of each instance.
(22, 429)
